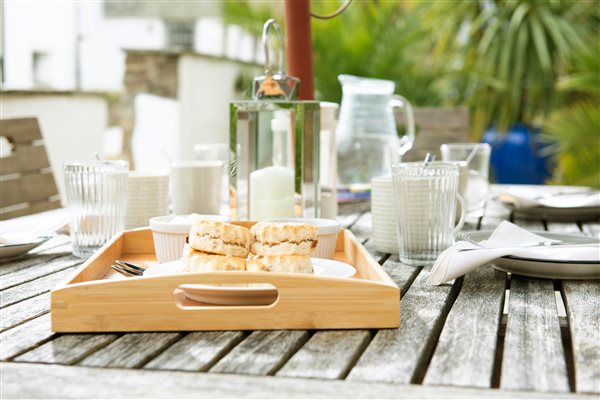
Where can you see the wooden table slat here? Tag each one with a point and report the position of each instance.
(29, 274)
(582, 301)
(403, 275)
(465, 353)
(327, 355)
(24, 311)
(362, 228)
(31, 260)
(131, 350)
(261, 353)
(401, 355)
(56, 381)
(347, 220)
(25, 336)
(533, 351)
(369, 245)
(32, 288)
(67, 349)
(197, 351)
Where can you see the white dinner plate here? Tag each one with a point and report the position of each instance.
(321, 266)
(13, 245)
(255, 294)
(546, 262)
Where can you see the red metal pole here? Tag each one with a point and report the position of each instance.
(299, 45)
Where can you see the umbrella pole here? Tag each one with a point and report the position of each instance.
(299, 45)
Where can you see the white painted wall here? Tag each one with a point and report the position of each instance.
(72, 126)
(46, 27)
(206, 87)
(52, 27)
(103, 41)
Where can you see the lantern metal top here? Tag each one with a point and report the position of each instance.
(274, 84)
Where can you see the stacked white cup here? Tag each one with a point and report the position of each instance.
(147, 197)
(385, 231)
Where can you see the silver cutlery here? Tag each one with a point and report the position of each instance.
(549, 244)
(128, 269)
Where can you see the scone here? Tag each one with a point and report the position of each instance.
(272, 238)
(298, 264)
(199, 261)
(220, 238)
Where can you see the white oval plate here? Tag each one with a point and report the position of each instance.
(257, 294)
(12, 245)
(321, 266)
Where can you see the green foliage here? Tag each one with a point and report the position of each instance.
(509, 54)
(575, 129)
(375, 39)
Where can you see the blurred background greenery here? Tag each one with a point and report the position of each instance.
(531, 61)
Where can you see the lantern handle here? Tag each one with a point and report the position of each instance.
(265, 36)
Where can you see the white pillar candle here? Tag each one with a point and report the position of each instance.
(272, 193)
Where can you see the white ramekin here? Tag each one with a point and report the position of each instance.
(170, 231)
(327, 232)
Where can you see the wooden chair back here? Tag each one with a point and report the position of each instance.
(434, 127)
(27, 184)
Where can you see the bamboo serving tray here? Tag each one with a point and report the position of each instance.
(97, 299)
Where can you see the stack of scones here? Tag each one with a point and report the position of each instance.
(267, 246)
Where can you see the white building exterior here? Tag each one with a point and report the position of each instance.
(73, 46)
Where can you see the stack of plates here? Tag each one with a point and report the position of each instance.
(549, 264)
(568, 203)
(147, 197)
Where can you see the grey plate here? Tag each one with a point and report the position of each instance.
(18, 244)
(563, 214)
(544, 268)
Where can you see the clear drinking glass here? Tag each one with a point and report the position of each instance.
(425, 197)
(96, 196)
(477, 156)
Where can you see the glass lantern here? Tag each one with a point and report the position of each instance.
(274, 159)
(274, 147)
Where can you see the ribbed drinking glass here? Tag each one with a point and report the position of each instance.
(96, 196)
(426, 196)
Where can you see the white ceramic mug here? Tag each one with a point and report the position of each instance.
(196, 187)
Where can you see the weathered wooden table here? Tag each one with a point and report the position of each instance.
(488, 335)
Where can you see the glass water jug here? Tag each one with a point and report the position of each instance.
(366, 136)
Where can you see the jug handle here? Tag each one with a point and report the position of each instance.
(406, 142)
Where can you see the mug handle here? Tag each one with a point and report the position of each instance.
(463, 214)
(406, 141)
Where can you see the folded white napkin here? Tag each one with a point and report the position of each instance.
(507, 239)
(566, 200)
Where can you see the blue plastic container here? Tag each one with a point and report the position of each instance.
(517, 156)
